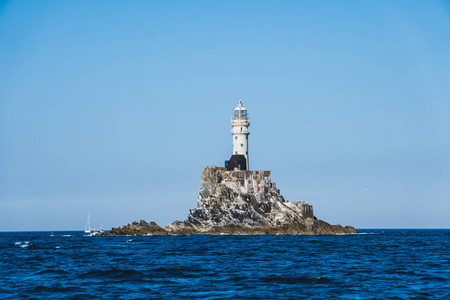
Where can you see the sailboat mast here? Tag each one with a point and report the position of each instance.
(88, 223)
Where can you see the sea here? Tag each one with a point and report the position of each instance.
(372, 264)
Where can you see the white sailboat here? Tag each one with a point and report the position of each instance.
(87, 227)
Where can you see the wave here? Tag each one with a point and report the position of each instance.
(181, 272)
(84, 296)
(52, 271)
(294, 280)
(20, 243)
(54, 289)
(434, 279)
(395, 271)
(238, 278)
(112, 273)
(24, 244)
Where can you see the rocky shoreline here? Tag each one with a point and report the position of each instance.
(239, 202)
(151, 228)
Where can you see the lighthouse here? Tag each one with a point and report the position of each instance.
(239, 123)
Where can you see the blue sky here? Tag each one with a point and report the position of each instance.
(116, 107)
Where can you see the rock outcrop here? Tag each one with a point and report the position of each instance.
(138, 228)
(240, 202)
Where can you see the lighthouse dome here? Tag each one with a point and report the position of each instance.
(240, 106)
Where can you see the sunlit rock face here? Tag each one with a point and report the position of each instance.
(240, 202)
(245, 198)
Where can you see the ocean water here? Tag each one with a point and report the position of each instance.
(374, 264)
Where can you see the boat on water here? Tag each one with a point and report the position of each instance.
(88, 229)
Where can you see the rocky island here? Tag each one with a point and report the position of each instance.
(239, 202)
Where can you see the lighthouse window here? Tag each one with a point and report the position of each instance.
(242, 145)
(235, 137)
(246, 137)
(235, 152)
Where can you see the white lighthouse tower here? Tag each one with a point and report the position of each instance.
(240, 123)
